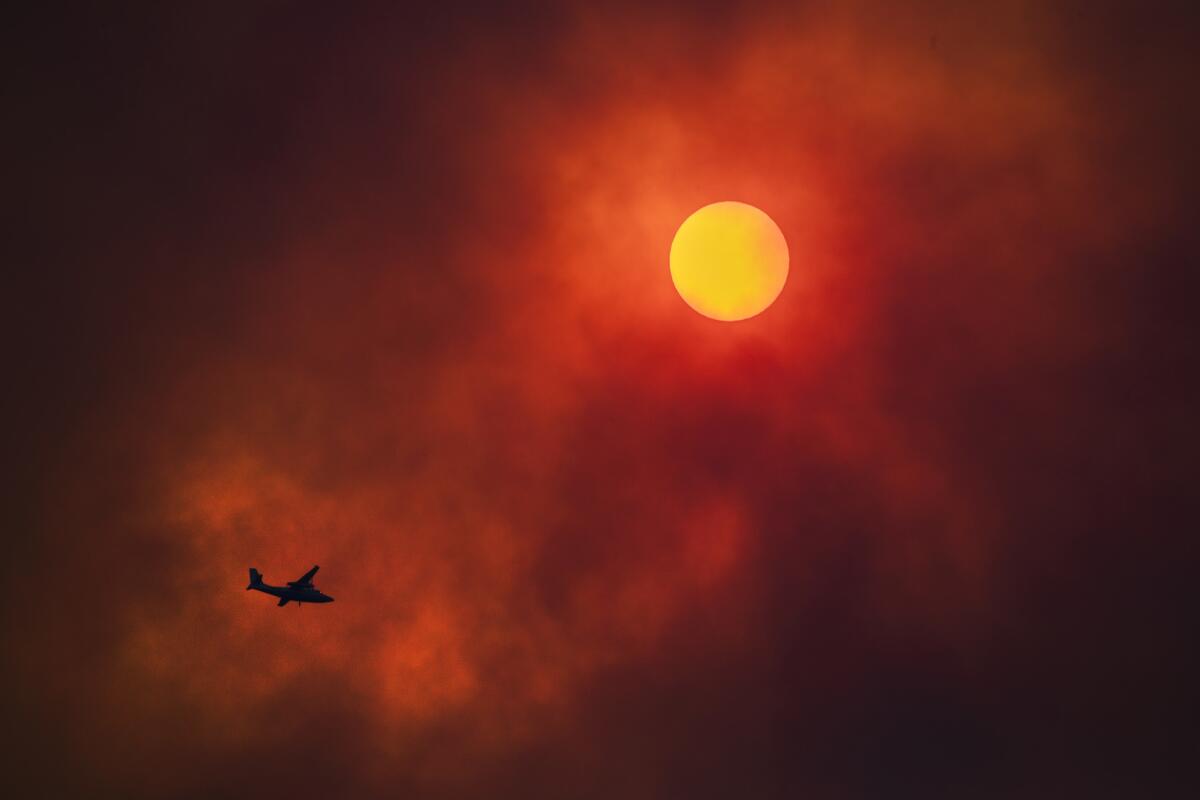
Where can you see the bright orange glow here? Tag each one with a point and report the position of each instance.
(729, 261)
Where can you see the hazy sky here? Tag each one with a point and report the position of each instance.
(386, 290)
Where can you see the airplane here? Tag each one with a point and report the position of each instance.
(302, 591)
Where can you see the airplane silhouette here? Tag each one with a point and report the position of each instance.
(302, 591)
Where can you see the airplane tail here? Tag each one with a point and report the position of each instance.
(255, 579)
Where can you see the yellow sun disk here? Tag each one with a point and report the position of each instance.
(729, 261)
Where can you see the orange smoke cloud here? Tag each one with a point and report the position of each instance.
(422, 332)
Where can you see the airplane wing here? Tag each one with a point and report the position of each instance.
(307, 577)
(282, 601)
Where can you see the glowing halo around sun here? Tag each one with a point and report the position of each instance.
(729, 261)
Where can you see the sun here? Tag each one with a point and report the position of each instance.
(729, 261)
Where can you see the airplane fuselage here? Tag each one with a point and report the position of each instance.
(297, 594)
(300, 590)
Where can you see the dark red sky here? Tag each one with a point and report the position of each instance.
(386, 290)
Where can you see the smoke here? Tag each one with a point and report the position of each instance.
(386, 291)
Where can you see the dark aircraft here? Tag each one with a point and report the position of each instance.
(302, 591)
